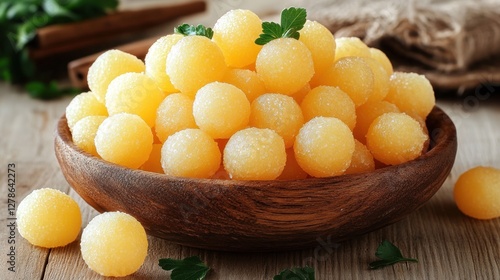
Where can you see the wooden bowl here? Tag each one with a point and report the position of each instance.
(233, 215)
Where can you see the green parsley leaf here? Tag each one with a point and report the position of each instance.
(190, 268)
(292, 20)
(191, 30)
(388, 255)
(296, 273)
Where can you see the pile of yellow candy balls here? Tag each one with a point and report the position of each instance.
(248, 101)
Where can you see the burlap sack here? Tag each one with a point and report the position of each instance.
(456, 44)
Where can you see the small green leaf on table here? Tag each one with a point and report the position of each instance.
(388, 255)
(296, 273)
(190, 268)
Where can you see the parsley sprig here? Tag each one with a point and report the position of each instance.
(388, 255)
(292, 20)
(296, 273)
(190, 30)
(190, 268)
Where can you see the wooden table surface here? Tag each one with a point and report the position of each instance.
(448, 244)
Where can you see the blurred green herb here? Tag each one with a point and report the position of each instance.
(19, 20)
(189, 30)
(190, 268)
(388, 255)
(292, 20)
(296, 273)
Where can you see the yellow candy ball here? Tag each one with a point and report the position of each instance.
(367, 113)
(380, 80)
(350, 46)
(124, 139)
(362, 160)
(84, 105)
(114, 244)
(477, 191)
(84, 133)
(134, 93)
(324, 147)
(235, 33)
(292, 170)
(353, 76)
(246, 80)
(221, 109)
(49, 218)
(190, 153)
(320, 41)
(278, 112)
(329, 101)
(412, 93)
(107, 67)
(194, 62)
(175, 113)
(395, 138)
(382, 58)
(155, 61)
(254, 154)
(285, 65)
(299, 95)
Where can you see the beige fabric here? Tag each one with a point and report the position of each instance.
(449, 40)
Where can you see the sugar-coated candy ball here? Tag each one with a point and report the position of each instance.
(190, 153)
(382, 58)
(83, 105)
(350, 46)
(221, 109)
(153, 164)
(107, 67)
(134, 93)
(361, 161)
(175, 113)
(194, 62)
(155, 61)
(292, 170)
(299, 95)
(320, 41)
(395, 138)
(329, 101)
(235, 33)
(367, 113)
(352, 75)
(114, 244)
(412, 93)
(124, 139)
(246, 80)
(380, 80)
(84, 133)
(285, 65)
(254, 154)
(278, 112)
(324, 147)
(477, 192)
(49, 218)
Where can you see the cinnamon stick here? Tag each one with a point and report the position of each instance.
(79, 68)
(111, 25)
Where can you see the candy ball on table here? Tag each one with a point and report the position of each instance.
(477, 192)
(221, 109)
(190, 153)
(114, 244)
(107, 67)
(395, 138)
(324, 147)
(124, 139)
(49, 218)
(254, 154)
